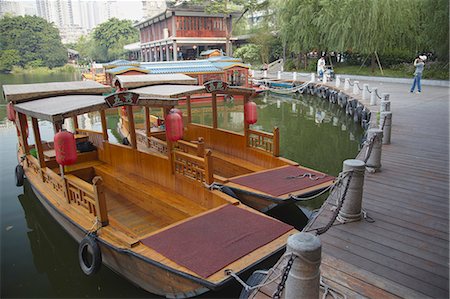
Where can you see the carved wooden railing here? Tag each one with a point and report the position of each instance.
(197, 148)
(267, 142)
(193, 167)
(54, 182)
(96, 138)
(158, 145)
(86, 197)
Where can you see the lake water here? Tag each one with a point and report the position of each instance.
(39, 259)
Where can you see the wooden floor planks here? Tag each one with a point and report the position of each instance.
(405, 252)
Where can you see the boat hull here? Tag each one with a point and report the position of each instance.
(140, 271)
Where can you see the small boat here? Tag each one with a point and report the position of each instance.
(247, 165)
(144, 209)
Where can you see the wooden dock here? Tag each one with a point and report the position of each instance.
(405, 252)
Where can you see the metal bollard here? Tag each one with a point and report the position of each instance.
(265, 74)
(313, 77)
(365, 92)
(279, 75)
(346, 84)
(355, 87)
(351, 209)
(373, 97)
(338, 81)
(304, 277)
(294, 76)
(385, 106)
(386, 125)
(373, 163)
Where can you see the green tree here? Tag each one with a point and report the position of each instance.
(250, 53)
(436, 28)
(34, 39)
(110, 37)
(8, 59)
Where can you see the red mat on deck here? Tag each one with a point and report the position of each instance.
(280, 181)
(211, 242)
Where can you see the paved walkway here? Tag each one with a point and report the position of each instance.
(405, 252)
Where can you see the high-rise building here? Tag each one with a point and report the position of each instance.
(153, 7)
(17, 8)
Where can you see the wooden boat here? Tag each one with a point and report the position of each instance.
(246, 165)
(141, 210)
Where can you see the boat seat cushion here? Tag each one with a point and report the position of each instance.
(212, 241)
(282, 180)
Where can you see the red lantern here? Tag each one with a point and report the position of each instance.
(11, 112)
(65, 148)
(251, 113)
(174, 126)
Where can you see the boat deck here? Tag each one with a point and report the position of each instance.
(405, 252)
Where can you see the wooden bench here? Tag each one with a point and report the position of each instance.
(147, 194)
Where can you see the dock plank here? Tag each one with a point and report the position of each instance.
(405, 252)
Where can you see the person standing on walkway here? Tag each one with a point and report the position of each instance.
(321, 67)
(419, 63)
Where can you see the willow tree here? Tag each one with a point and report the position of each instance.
(371, 26)
(298, 29)
(436, 27)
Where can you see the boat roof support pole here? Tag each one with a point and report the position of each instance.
(246, 125)
(189, 111)
(148, 126)
(214, 109)
(75, 122)
(23, 132)
(169, 143)
(104, 125)
(38, 142)
(132, 129)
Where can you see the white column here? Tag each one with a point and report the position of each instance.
(313, 77)
(279, 75)
(351, 209)
(265, 74)
(347, 84)
(294, 76)
(304, 277)
(355, 87)
(365, 92)
(373, 97)
(324, 78)
(338, 81)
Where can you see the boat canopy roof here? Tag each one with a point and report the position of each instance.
(17, 93)
(134, 81)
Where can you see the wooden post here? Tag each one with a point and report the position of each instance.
(131, 128)
(351, 209)
(75, 122)
(214, 109)
(148, 127)
(104, 125)
(189, 111)
(246, 125)
(166, 111)
(200, 147)
(38, 142)
(23, 132)
(209, 171)
(100, 202)
(304, 277)
(276, 142)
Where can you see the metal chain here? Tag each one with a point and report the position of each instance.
(350, 83)
(324, 229)
(357, 85)
(376, 93)
(368, 90)
(281, 285)
(370, 145)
